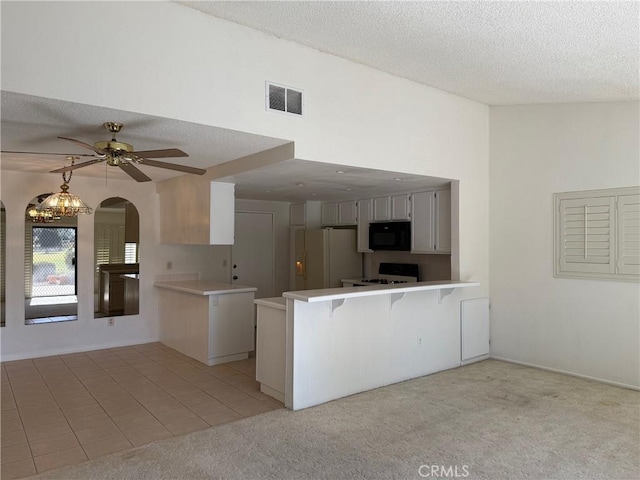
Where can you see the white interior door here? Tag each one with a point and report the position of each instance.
(252, 252)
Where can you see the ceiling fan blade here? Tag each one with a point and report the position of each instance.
(84, 145)
(47, 153)
(172, 166)
(79, 165)
(166, 153)
(133, 172)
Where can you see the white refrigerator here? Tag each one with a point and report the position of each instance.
(324, 256)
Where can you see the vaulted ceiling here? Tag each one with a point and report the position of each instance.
(494, 52)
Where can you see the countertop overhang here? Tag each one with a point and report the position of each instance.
(274, 302)
(325, 294)
(204, 287)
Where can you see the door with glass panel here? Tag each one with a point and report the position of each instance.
(50, 280)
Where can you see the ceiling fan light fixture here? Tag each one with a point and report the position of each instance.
(38, 216)
(64, 204)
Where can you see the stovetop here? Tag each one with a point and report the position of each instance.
(391, 274)
(383, 281)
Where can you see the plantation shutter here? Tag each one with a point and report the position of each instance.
(101, 245)
(109, 242)
(28, 260)
(3, 253)
(587, 235)
(629, 234)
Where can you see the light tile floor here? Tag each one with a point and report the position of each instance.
(65, 409)
(59, 318)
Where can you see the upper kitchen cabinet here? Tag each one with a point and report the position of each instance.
(340, 213)
(196, 212)
(307, 215)
(330, 213)
(365, 214)
(297, 214)
(431, 222)
(401, 207)
(348, 213)
(394, 207)
(381, 209)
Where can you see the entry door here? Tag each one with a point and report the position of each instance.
(252, 252)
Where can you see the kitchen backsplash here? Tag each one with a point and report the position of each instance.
(432, 267)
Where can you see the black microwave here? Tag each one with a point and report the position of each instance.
(390, 236)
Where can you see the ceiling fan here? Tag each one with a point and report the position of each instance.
(122, 155)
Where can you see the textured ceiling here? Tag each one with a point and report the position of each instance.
(33, 124)
(493, 52)
(299, 180)
(498, 53)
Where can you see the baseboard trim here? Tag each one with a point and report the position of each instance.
(63, 351)
(565, 372)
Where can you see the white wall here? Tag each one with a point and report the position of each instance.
(586, 327)
(213, 72)
(22, 341)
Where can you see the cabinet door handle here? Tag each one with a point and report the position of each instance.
(235, 277)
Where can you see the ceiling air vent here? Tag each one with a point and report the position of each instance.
(284, 99)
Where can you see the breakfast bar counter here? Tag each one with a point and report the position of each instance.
(341, 341)
(444, 287)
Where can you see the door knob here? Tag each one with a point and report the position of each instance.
(235, 277)
(235, 266)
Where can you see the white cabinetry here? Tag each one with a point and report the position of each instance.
(400, 207)
(196, 212)
(330, 213)
(365, 212)
(297, 214)
(347, 213)
(394, 207)
(210, 327)
(474, 329)
(339, 213)
(381, 209)
(306, 215)
(271, 348)
(431, 222)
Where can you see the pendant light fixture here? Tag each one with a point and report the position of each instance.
(64, 204)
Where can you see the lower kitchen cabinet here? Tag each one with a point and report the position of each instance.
(271, 346)
(212, 323)
(474, 329)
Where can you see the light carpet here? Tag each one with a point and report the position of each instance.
(489, 420)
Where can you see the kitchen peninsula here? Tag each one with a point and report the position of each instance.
(341, 341)
(206, 320)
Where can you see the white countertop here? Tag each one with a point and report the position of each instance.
(204, 287)
(274, 302)
(324, 294)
